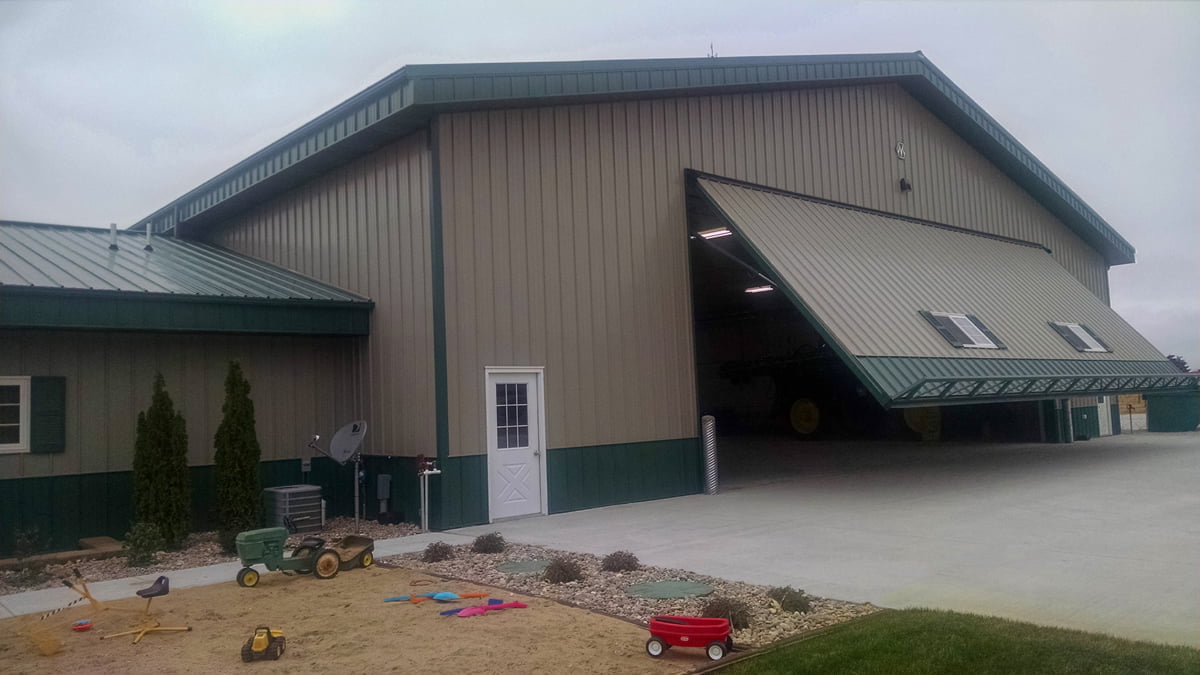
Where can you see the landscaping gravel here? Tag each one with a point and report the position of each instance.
(605, 591)
(201, 549)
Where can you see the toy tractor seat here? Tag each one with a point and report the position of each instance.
(159, 588)
(312, 542)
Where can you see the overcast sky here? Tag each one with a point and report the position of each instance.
(109, 110)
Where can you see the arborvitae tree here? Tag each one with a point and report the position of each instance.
(161, 486)
(237, 457)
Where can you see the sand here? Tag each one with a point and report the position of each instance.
(342, 625)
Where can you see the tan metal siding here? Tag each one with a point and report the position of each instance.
(364, 227)
(866, 277)
(565, 228)
(300, 385)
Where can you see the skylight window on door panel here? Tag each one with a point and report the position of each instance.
(1080, 337)
(964, 331)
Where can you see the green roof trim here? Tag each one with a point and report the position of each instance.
(912, 382)
(107, 310)
(407, 99)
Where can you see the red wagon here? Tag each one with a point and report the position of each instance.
(711, 635)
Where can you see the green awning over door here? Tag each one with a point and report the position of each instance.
(870, 283)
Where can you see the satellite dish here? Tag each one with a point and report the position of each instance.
(346, 441)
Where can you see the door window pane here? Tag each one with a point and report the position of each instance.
(512, 416)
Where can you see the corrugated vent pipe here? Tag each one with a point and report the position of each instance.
(149, 247)
(708, 431)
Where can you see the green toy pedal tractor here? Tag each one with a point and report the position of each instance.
(264, 644)
(266, 547)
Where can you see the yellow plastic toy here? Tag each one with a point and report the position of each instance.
(264, 644)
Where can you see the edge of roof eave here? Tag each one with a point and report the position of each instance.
(1119, 250)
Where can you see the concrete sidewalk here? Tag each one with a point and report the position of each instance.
(44, 600)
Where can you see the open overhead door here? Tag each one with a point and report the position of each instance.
(926, 314)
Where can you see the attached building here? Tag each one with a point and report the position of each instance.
(556, 258)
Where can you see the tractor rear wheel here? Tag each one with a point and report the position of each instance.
(276, 649)
(327, 564)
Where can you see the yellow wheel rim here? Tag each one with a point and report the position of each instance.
(251, 578)
(805, 416)
(367, 560)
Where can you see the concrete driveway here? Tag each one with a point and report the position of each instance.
(1102, 535)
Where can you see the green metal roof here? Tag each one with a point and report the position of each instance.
(862, 279)
(69, 277)
(407, 99)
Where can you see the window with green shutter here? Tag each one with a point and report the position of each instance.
(33, 414)
(963, 330)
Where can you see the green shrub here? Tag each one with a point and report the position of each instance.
(29, 541)
(142, 544)
(489, 543)
(620, 561)
(735, 610)
(161, 487)
(561, 570)
(437, 552)
(235, 464)
(790, 599)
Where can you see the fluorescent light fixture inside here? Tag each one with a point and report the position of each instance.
(715, 234)
(760, 289)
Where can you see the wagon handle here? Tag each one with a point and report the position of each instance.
(665, 619)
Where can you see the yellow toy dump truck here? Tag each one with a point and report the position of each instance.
(264, 644)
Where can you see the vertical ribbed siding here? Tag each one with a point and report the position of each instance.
(299, 385)
(364, 227)
(563, 239)
(565, 230)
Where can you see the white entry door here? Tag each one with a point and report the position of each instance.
(516, 461)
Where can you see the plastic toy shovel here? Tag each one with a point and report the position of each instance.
(447, 596)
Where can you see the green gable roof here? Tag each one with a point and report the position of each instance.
(54, 276)
(406, 100)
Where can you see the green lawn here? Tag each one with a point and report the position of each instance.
(928, 641)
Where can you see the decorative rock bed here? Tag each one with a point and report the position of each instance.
(606, 592)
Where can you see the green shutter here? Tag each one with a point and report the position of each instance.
(946, 328)
(984, 329)
(1068, 335)
(1096, 337)
(47, 414)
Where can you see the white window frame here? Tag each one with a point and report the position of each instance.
(979, 340)
(22, 444)
(1084, 337)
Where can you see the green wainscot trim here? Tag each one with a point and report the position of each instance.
(100, 310)
(603, 475)
(1085, 422)
(459, 497)
(67, 508)
(1173, 412)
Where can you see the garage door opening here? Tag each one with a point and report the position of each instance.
(764, 371)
